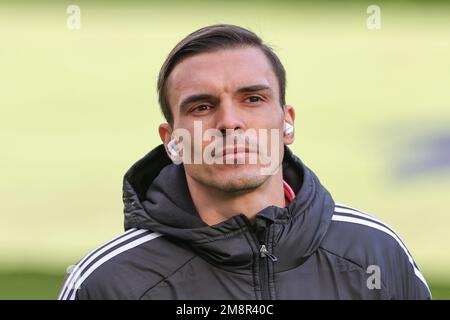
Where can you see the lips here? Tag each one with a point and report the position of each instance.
(232, 150)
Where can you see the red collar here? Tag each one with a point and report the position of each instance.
(288, 192)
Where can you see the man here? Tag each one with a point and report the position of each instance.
(202, 221)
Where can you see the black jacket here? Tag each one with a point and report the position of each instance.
(312, 249)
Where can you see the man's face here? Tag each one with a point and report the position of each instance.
(231, 90)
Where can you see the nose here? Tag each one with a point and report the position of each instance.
(229, 117)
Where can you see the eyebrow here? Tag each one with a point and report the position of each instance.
(257, 87)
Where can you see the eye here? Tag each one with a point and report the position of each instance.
(200, 108)
(253, 99)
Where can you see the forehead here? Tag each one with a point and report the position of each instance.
(218, 71)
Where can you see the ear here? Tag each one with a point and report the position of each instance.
(289, 117)
(165, 133)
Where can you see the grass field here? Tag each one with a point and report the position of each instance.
(78, 107)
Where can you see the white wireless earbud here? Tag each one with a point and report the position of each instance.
(171, 147)
(288, 128)
(174, 152)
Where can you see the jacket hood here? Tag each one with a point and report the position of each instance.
(156, 197)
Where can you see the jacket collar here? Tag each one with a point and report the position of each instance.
(156, 197)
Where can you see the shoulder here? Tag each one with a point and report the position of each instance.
(370, 243)
(356, 229)
(124, 267)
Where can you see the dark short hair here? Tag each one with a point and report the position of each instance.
(212, 38)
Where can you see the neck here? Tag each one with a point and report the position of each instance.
(215, 206)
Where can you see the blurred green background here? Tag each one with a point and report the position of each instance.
(78, 107)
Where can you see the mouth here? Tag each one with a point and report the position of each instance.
(235, 151)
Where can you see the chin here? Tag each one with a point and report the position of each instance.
(241, 179)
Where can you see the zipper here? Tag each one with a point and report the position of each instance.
(264, 270)
(264, 256)
(265, 253)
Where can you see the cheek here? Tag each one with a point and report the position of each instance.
(270, 116)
